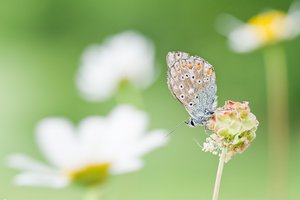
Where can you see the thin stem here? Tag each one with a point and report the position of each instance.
(129, 93)
(93, 193)
(219, 174)
(277, 97)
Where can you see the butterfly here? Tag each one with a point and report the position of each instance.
(192, 81)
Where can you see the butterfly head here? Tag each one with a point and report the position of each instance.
(201, 120)
(191, 123)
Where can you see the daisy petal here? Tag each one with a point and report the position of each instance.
(125, 166)
(25, 163)
(136, 54)
(152, 140)
(41, 180)
(128, 119)
(295, 7)
(95, 138)
(244, 39)
(94, 80)
(56, 138)
(126, 56)
(114, 137)
(225, 23)
(293, 23)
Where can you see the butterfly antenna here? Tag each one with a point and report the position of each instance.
(198, 144)
(175, 128)
(205, 130)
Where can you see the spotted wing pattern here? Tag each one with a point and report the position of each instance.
(192, 81)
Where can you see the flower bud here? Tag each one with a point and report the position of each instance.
(233, 127)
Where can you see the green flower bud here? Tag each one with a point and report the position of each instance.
(233, 127)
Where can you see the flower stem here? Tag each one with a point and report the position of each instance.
(129, 93)
(219, 174)
(277, 97)
(93, 193)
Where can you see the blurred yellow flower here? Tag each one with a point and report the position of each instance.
(265, 28)
(233, 127)
(270, 26)
(86, 155)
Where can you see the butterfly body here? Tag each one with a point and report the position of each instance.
(192, 81)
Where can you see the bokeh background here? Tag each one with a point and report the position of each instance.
(40, 47)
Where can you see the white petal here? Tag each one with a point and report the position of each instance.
(97, 79)
(120, 139)
(25, 163)
(56, 138)
(244, 39)
(41, 180)
(135, 55)
(127, 55)
(128, 133)
(95, 137)
(152, 140)
(225, 23)
(125, 166)
(295, 7)
(112, 138)
(293, 24)
(128, 122)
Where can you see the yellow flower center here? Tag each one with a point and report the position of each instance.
(124, 82)
(90, 175)
(269, 25)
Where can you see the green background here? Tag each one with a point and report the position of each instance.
(40, 47)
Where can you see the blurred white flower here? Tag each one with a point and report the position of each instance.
(127, 56)
(265, 28)
(99, 146)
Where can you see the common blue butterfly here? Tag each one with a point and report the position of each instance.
(192, 81)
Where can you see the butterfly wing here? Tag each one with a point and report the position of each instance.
(192, 82)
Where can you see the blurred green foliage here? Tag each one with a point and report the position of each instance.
(40, 47)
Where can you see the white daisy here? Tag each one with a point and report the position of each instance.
(87, 154)
(268, 27)
(127, 56)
